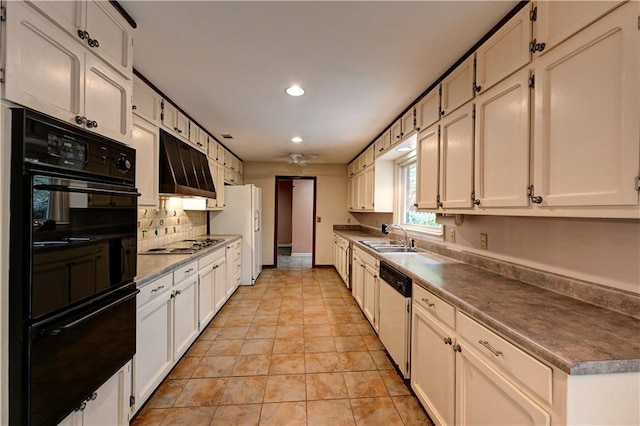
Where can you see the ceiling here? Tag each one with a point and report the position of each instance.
(226, 64)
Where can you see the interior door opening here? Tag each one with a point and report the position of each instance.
(295, 226)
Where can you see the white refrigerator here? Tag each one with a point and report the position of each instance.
(242, 215)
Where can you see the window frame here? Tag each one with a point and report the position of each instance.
(398, 216)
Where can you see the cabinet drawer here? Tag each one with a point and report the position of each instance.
(185, 271)
(435, 306)
(154, 289)
(517, 363)
(210, 258)
(365, 257)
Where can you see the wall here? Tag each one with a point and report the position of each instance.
(331, 201)
(302, 217)
(168, 223)
(602, 251)
(285, 193)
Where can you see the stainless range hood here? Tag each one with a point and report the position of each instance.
(184, 171)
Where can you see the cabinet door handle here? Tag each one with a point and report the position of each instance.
(188, 270)
(488, 346)
(448, 341)
(92, 124)
(80, 119)
(157, 288)
(177, 292)
(457, 348)
(92, 397)
(428, 302)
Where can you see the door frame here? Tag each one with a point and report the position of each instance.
(275, 226)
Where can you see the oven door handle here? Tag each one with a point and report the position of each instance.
(63, 188)
(72, 324)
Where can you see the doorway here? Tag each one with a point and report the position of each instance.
(295, 226)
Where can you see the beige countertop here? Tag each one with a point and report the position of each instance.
(574, 336)
(152, 266)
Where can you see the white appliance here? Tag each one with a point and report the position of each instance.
(242, 215)
(395, 316)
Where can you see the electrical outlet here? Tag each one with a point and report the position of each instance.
(452, 235)
(484, 241)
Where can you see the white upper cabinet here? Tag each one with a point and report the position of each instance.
(428, 168)
(502, 143)
(383, 143)
(396, 132)
(198, 137)
(556, 21)
(428, 109)
(98, 26)
(408, 123)
(107, 100)
(174, 120)
(457, 87)
(505, 52)
(456, 159)
(587, 106)
(145, 139)
(146, 101)
(48, 71)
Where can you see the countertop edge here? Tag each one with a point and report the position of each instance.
(176, 260)
(571, 367)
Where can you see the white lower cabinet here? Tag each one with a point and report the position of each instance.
(108, 406)
(456, 380)
(234, 266)
(185, 315)
(484, 396)
(365, 285)
(434, 367)
(154, 337)
(341, 257)
(208, 280)
(220, 285)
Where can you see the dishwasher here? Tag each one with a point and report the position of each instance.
(395, 316)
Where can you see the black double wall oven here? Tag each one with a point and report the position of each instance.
(72, 266)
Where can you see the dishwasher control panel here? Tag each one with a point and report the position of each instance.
(396, 279)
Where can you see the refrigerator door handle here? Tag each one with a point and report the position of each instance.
(256, 225)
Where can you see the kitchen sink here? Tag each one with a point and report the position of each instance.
(381, 243)
(395, 249)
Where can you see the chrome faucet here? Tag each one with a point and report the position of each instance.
(385, 230)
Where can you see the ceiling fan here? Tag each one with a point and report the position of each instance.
(302, 160)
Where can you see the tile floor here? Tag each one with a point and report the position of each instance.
(294, 349)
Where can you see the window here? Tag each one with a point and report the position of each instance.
(408, 214)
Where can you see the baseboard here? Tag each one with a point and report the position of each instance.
(284, 245)
(300, 254)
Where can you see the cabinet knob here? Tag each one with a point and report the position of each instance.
(442, 113)
(134, 107)
(448, 341)
(80, 120)
(92, 124)
(415, 204)
(457, 348)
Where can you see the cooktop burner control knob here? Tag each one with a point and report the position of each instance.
(123, 164)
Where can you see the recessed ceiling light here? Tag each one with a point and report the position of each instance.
(404, 149)
(296, 139)
(294, 90)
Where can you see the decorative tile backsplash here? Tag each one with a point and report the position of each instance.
(168, 223)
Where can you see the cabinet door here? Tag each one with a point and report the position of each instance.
(355, 193)
(112, 35)
(220, 283)
(586, 115)
(107, 100)
(211, 202)
(369, 155)
(44, 67)
(433, 367)
(370, 293)
(154, 346)
(428, 167)
(408, 122)
(378, 147)
(483, 396)
(146, 102)
(109, 408)
(169, 117)
(505, 52)
(556, 21)
(428, 109)
(220, 186)
(502, 143)
(213, 149)
(185, 315)
(144, 138)
(396, 132)
(367, 188)
(457, 87)
(456, 159)
(357, 281)
(206, 308)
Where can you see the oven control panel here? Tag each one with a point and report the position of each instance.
(66, 148)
